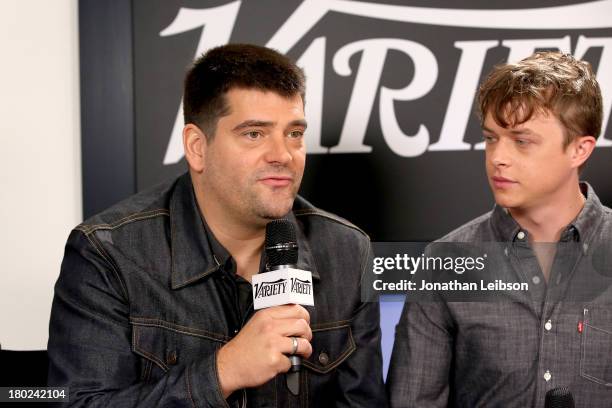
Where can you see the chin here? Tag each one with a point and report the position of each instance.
(510, 204)
(275, 212)
(506, 202)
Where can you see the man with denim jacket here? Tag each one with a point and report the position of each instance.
(540, 119)
(153, 306)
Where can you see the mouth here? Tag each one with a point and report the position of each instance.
(277, 181)
(502, 182)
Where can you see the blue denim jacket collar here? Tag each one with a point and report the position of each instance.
(192, 258)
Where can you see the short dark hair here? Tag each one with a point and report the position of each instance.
(547, 80)
(235, 66)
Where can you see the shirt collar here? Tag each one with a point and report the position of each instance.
(305, 258)
(590, 216)
(505, 227)
(192, 258)
(220, 255)
(194, 247)
(580, 229)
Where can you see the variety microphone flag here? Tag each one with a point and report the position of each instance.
(281, 287)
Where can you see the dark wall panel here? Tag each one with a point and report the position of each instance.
(107, 111)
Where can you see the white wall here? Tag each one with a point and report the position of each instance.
(40, 170)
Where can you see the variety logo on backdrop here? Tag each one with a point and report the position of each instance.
(217, 24)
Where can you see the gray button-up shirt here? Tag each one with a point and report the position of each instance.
(510, 352)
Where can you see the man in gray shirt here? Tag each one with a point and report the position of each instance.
(540, 119)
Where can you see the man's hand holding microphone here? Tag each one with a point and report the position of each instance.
(277, 335)
(260, 350)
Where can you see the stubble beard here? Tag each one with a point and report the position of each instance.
(258, 203)
(269, 203)
(270, 208)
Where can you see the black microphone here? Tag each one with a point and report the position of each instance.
(281, 245)
(282, 252)
(559, 397)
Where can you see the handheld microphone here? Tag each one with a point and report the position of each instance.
(284, 283)
(559, 397)
(281, 245)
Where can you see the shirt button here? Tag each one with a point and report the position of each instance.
(323, 358)
(520, 235)
(547, 376)
(536, 279)
(548, 325)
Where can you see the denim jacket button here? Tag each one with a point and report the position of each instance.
(323, 358)
(171, 358)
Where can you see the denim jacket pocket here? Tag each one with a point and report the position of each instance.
(330, 347)
(164, 345)
(596, 348)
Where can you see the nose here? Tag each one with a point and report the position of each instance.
(277, 150)
(498, 154)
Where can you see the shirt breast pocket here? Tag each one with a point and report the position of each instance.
(330, 347)
(596, 348)
(332, 344)
(164, 345)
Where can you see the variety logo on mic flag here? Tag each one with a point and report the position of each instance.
(281, 287)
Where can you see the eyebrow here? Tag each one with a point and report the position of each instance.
(299, 122)
(262, 123)
(526, 132)
(515, 132)
(253, 123)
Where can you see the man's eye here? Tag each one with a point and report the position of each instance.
(253, 135)
(489, 139)
(522, 142)
(296, 134)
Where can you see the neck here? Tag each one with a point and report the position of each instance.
(244, 241)
(546, 222)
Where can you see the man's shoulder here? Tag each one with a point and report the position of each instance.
(307, 213)
(478, 229)
(146, 205)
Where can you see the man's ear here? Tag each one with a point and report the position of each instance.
(194, 144)
(582, 148)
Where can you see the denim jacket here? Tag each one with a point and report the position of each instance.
(138, 316)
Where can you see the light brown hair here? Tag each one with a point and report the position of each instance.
(544, 82)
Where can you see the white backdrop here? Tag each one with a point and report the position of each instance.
(40, 170)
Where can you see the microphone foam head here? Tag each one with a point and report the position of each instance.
(281, 243)
(559, 397)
